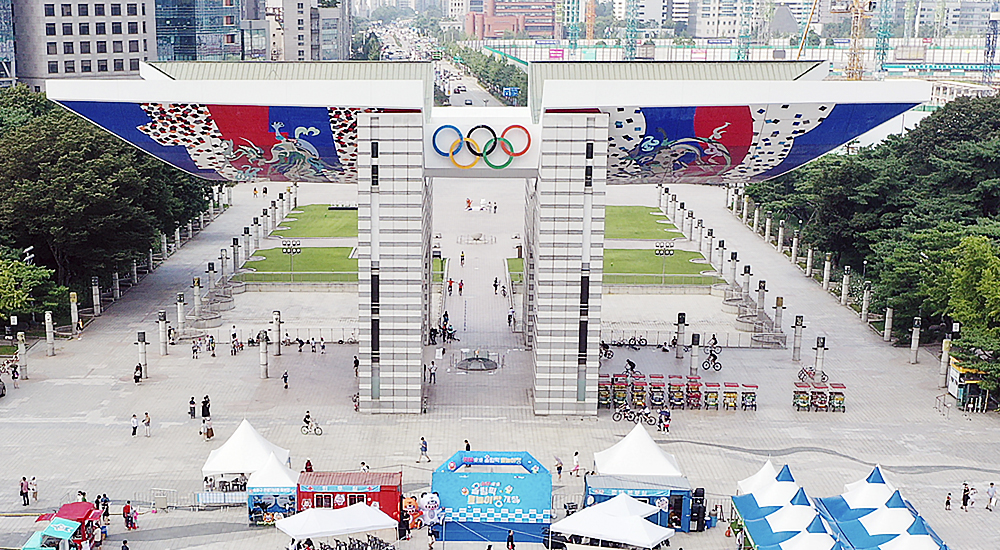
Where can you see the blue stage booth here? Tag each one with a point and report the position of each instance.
(671, 494)
(481, 503)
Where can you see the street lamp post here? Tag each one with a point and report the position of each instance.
(291, 247)
(276, 321)
(664, 249)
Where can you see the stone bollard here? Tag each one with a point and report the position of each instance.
(700, 228)
(780, 245)
(74, 313)
(746, 209)
(945, 363)
(262, 342)
(211, 276)
(690, 225)
(196, 289)
(797, 338)
(779, 305)
(710, 235)
(761, 291)
(246, 244)
(190, 228)
(820, 356)
(135, 273)
(274, 215)
(22, 356)
(733, 261)
(180, 313)
(281, 207)
(236, 254)
(140, 340)
(229, 196)
(256, 233)
(756, 221)
(116, 286)
(695, 354)
(746, 283)
(887, 331)
(681, 323)
(768, 220)
(845, 285)
(795, 248)
(915, 341)
(809, 262)
(95, 289)
(164, 246)
(265, 223)
(827, 267)
(50, 335)
(177, 238)
(161, 321)
(150, 260)
(866, 301)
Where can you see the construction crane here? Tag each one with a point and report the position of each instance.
(882, 36)
(591, 18)
(859, 10)
(743, 41)
(940, 14)
(990, 51)
(805, 31)
(631, 29)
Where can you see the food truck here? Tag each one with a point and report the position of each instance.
(382, 490)
(76, 523)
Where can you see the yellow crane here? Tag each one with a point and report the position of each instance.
(860, 10)
(591, 18)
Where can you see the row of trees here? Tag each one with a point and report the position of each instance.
(921, 212)
(88, 202)
(493, 73)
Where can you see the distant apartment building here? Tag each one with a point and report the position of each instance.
(310, 33)
(7, 73)
(963, 17)
(648, 11)
(82, 40)
(535, 18)
(206, 30)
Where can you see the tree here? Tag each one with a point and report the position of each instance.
(27, 289)
(18, 105)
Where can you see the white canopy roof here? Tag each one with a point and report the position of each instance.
(601, 522)
(623, 505)
(887, 521)
(906, 541)
(875, 477)
(331, 522)
(763, 478)
(809, 541)
(636, 454)
(779, 493)
(245, 452)
(273, 474)
(868, 495)
(791, 518)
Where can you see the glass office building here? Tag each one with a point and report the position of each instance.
(198, 30)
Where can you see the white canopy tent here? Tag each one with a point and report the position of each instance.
(887, 521)
(623, 505)
(791, 518)
(245, 452)
(868, 495)
(809, 541)
(761, 480)
(636, 454)
(619, 519)
(274, 473)
(332, 522)
(906, 541)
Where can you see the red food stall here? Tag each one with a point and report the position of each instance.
(382, 490)
(86, 514)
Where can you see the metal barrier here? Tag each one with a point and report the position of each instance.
(217, 498)
(297, 277)
(658, 336)
(654, 279)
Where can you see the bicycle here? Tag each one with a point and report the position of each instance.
(636, 341)
(606, 351)
(630, 369)
(711, 349)
(644, 416)
(711, 363)
(311, 427)
(623, 413)
(810, 373)
(352, 339)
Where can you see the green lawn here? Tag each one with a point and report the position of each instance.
(617, 260)
(8, 350)
(636, 222)
(437, 268)
(333, 259)
(315, 220)
(515, 266)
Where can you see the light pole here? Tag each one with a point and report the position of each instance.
(664, 249)
(291, 247)
(277, 325)
(140, 340)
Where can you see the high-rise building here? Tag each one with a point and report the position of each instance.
(82, 39)
(7, 75)
(202, 30)
(536, 18)
(315, 34)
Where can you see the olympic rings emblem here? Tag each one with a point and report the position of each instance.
(481, 152)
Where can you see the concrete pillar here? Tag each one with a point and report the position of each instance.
(672, 209)
(236, 254)
(945, 363)
(256, 233)
(116, 286)
(262, 343)
(733, 261)
(887, 331)
(681, 323)
(809, 262)
(74, 313)
(201, 221)
(756, 221)
(795, 248)
(223, 256)
(95, 290)
(196, 289)
(22, 356)
(50, 335)
(190, 228)
(820, 353)
(695, 354)
(150, 260)
(761, 292)
(746, 282)
(779, 304)
(211, 276)
(797, 339)
(768, 220)
(780, 245)
(274, 215)
(915, 341)
(161, 321)
(709, 251)
(276, 321)
(140, 341)
(246, 244)
(281, 208)
(827, 267)
(681, 216)
(690, 225)
(700, 228)
(295, 194)
(180, 313)
(135, 272)
(845, 285)
(177, 238)
(265, 223)
(866, 301)
(164, 247)
(745, 211)
(229, 196)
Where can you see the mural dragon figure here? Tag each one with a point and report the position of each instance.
(294, 158)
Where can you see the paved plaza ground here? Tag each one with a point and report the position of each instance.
(69, 424)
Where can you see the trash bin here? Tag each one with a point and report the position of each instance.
(160, 502)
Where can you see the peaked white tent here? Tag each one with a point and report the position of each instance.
(274, 474)
(809, 541)
(245, 452)
(762, 479)
(873, 478)
(779, 493)
(332, 522)
(618, 520)
(868, 495)
(636, 454)
(623, 505)
(887, 521)
(791, 518)
(906, 541)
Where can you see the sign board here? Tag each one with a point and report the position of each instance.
(699, 55)
(547, 42)
(511, 92)
(436, 55)
(720, 40)
(556, 53)
(522, 494)
(841, 40)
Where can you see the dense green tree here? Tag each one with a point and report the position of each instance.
(27, 289)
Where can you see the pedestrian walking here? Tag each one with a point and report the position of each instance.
(468, 447)
(127, 514)
(559, 467)
(423, 451)
(211, 344)
(965, 497)
(322, 346)
(191, 407)
(972, 497)
(33, 488)
(494, 208)
(510, 318)
(255, 192)
(194, 350)
(145, 424)
(206, 408)
(576, 465)
(433, 373)
(450, 283)
(284, 378)
(947, 502)
(468, 203)
(15, 375)
(463, 258)
(364, 467)
(24, 491)
(264, 191)
(125, 545)
(356, 365)
(510, 540)
(461, 285)
(135, 424)
(496, 285)
(312, 345)
(209, 432)
(991, 497)
(137, 374)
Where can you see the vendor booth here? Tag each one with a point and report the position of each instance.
(481, 495)
(271, 492)
(321, 522)
(621, 519)
(225, 471)
(75, 523)
(638, 467)
(380, 490)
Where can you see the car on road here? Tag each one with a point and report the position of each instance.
(461, 89)
(3, 389)
(468, 102)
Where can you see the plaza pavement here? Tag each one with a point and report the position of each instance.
(68, 424)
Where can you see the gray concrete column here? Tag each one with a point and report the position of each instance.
(140, 341)
(135, 272)
(281, 208)
(809, 262)
(768, 220)
(756, 221)
(797, 338)
(827, 267)
(262, 343)
(945, 363)
(672, 209)
(190, 228)
(746, 282)
(733, 261)
(866, 301)
(695, 354)
(246, 244)
(745, 211)
(74, 312)
(256, 233)
(201, 221)
(295, 194)
(50, 335)
(236, 254)
(820, 356)
(196, 289)
(177, 238)
(795, 248)
(274, 215)
(229, 195)
(780, 245)
(150, 260)
(95, 290)
(681, 216)
(700, 229)
(116, 286)
(761, 292)
(779, 305)
(180, 313)
(709, 250)
(265, 223)
(915, 341)
(161, 321)
(211, 276)
(690, 225)
(681, 323)
(887, 330)
(845, 285)
(22, 356)
(164, 246)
